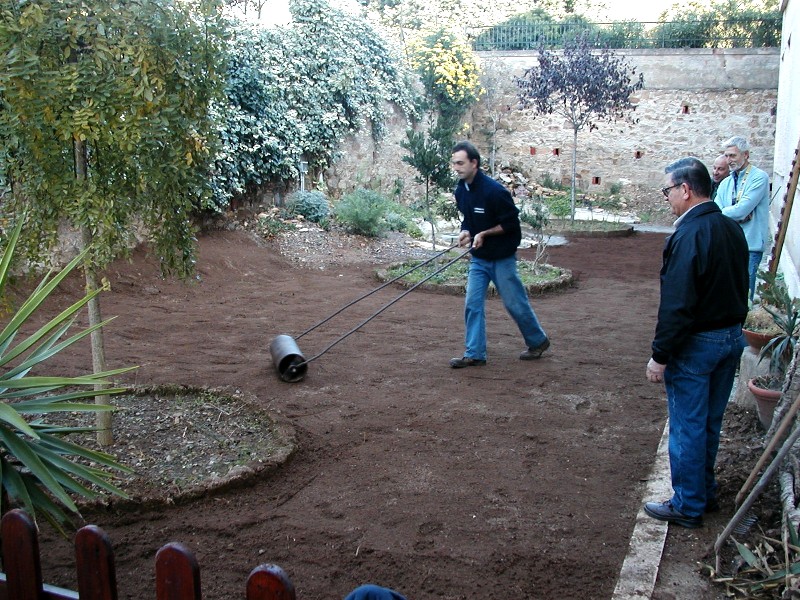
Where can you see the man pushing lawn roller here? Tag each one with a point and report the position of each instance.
(491, 224)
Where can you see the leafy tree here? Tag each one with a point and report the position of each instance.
(450, 77)
(246, 5)
(429, 155)
(723, 24)
(295, 92)
(583, 86)
(493, 103)
(105, 124)
(407, 19)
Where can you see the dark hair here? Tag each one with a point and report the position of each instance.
(693, 172)
(469, 148)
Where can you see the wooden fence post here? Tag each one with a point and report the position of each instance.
(21, 556)
(177, 573)
(269, 582)
(94, 561)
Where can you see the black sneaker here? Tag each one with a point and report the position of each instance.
(664, 511)
(465, 361)
(534, 353)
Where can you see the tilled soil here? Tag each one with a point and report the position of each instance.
(513, 480)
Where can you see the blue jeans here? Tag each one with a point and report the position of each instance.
(503, 273)
(755, 261)
(699, 382)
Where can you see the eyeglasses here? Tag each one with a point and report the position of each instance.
(665, 190)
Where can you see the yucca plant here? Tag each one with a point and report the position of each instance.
(785, 313)
(40, 469)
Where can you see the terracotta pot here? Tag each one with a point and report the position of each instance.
(757, 340)
(766, 401)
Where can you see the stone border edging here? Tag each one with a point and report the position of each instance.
(564, 280)
(610, 233)
(237, 476)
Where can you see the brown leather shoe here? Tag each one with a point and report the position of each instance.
(465, 361)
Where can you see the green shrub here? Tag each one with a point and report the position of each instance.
(269, 226)
(608, 203)
(534, 215)
(400, 218)
(445, 206)
(550, 183)
(396, 221)
(559, 206)
(313, 206)
(363, 212)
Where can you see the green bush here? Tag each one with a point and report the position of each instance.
(550, 183)
(534, 215)
(396, 221)
(313, 206)
(400, 218)
(270, 226)
(608, 203)
(363, 212)
(559, 206)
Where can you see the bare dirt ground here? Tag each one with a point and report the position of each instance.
(513, 480)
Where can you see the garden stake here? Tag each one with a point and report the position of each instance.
(785, 424)
(286, 355)
(751, 499)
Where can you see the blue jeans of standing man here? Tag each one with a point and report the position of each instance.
(503, 273)
(699, 382)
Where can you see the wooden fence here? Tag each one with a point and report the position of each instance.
(177, 571)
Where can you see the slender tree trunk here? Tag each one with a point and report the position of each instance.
(574, 173)
(103, 419)
(493, 153)
(430, 212)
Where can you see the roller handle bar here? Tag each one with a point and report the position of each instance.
(383, 308)
(377, 289)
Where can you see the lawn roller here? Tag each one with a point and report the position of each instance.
(290, 362)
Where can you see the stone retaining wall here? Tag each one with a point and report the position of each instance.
(693, 100)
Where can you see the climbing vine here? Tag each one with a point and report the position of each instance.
(294, 93)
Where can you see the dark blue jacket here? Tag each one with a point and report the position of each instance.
(704, 279)
(484, 204)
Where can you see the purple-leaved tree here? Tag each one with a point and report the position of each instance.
(582, 84)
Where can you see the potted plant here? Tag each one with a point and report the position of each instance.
(759, 327)
(785, 313)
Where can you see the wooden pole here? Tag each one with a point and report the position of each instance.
(786, 212)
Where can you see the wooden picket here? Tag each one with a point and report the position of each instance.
(177, 571)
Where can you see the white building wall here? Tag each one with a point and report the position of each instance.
(787, 140)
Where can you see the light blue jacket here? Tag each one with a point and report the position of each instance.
(753, 203)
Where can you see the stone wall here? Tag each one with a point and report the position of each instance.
(693, 100)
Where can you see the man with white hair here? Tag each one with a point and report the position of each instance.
(744, 197)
